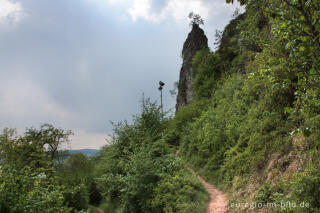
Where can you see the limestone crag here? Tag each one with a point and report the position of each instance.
(196, 41)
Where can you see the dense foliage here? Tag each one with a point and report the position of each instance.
(253, 129)
(258, 133)
(36, 176)
(140, 173)
(29, 190)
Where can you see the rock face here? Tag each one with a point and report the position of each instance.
(196, 41)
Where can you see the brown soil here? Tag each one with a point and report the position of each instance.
(218, 200)
(100, 210)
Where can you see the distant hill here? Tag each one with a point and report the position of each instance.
(88, 152)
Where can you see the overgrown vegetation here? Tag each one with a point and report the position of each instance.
(29, 166)
(140, 173)
(258, 134)
(253, 129)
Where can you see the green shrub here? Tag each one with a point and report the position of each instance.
(186, 115)
(206, 72)
(264, 195)
(77, 197)
(130, 170)
(305, 187)
(27, 190)
(181, 192)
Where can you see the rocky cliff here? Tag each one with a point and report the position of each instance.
(196, 40)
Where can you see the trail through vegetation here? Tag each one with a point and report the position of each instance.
(218, 200)
(100, 210)
(252, 128)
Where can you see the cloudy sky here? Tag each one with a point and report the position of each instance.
(79, 64)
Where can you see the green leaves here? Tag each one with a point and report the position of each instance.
(302, 48)
(36, 148)
(242, 2)
(130, 170)
(28, 170)
(204, 66)
(28, 190)
(176, 194)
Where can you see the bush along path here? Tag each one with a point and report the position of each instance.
(218, 200)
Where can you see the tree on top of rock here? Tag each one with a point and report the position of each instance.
(195, 19)
(242, 2)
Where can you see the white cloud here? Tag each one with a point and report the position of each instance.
(141, 8)
(117, 1)
(21, 98)
(181, 8)
(171, 10)
(10, 11)
(103, 3)
(26, 104)
(177, 10)
(83, 139)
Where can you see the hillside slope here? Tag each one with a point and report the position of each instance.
(253, 126)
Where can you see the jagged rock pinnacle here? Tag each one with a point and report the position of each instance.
(196, 41)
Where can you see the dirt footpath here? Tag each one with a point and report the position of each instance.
(218, 200)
